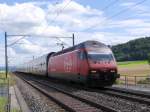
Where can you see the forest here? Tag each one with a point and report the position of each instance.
(138, 49)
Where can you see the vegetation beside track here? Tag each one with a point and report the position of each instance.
(4, 81)
(3, 99)
(10, 78)
(132, 63)
(3, 102)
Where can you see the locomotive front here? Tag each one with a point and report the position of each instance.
(102, 64)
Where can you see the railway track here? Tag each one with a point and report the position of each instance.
(132, 92)
(67, 100)
(133, 95)
(99, 99)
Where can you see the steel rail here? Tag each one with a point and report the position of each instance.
(137, 97)
(104, 108)
(47, 95)
(129, 91)
(88, 102)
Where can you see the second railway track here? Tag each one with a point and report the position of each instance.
(137, 96)
(68, 101)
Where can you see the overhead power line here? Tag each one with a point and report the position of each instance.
(17, 40)
(124, 10)
(24, 36)
(53, 20)
(110, 4)
(117, 14)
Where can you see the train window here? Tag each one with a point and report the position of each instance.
(81, 55)
(102, 57)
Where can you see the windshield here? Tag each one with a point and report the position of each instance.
(100, 57)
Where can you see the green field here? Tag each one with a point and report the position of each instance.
(132, 63)
(134, 68)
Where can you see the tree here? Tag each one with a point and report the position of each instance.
(149, 58)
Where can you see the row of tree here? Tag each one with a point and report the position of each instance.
(149, 58)
(138, 49)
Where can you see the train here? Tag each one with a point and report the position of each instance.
(91, 63)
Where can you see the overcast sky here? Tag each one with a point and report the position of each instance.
(108, 21)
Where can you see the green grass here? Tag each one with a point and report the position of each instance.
(15, 110)
(2, 71)
(2, 75)
(132, 63)
(4, 80)
(3, 102)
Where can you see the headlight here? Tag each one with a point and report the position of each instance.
(112, 71)
(93, 71)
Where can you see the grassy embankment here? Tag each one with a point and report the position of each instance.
(3, 100)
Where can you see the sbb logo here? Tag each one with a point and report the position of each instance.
(67, 64)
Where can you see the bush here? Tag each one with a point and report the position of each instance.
(144, 81)
(149, 58)
(118, 82)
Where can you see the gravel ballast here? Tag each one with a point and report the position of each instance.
(36, 101)
(122, 105)
(117, 103)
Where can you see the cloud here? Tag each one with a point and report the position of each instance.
(140, 31)
(21, 17)
(2, 55)
(28, 47)
(134, 23)
(74, 17)
(132, 6)
(62, 19)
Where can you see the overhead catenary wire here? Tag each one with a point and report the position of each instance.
(16, 41)
(117, 14)
(110, 4)
(124, 10)
(24, 36)
(57, 15)
(61, 10)
(120, 12)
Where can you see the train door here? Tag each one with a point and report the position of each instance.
(78, 65)
(82, 64)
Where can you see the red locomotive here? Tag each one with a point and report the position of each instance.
(90, 62)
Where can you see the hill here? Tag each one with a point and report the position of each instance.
(2, 68)
(11, 68)
(137, 49)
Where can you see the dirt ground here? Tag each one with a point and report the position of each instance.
(139, 70)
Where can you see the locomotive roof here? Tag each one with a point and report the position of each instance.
(81, 45)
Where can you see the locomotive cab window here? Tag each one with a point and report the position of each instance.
(99, 56)
(101, 53)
